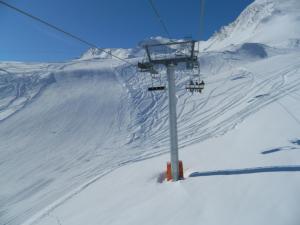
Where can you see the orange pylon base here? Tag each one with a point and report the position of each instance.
(169, 171)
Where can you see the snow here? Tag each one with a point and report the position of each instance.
(248, 198)
(94, 53)
(84, 142)
(270, 22)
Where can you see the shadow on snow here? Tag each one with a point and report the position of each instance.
(271, 169)
(278, 150)
(295, 142)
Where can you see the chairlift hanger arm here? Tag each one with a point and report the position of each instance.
(172, 59)
(169, 43)
(193, 49)
(148, 52)
(145, 65)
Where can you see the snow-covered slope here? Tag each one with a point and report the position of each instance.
(94, 53)
(230, 180)
(19, 84)
(271, 22)
(66, 125)
(55, 140)
(249, 175)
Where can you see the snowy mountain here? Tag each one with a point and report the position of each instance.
(106, 54)
(270, 22)
(75, 136)
(123, 53)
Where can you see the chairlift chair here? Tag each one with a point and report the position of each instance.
(148, 67)
(156, 87)
(192, 65)
(145, 67)
(195, 86)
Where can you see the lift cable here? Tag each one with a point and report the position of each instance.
(197, 86)
(201, 29)
(62, 31)
(202, 11)
(160, 19)
(154, 8)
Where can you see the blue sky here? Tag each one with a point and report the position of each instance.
(107, 23)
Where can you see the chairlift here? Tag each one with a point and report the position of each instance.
(145, 67)
(196, 65)
(192, 65)
(195, 86)
(156, 87)
(195, 83)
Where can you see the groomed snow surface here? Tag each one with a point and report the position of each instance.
(84, 142)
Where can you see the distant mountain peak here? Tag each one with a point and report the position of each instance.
(271, 22)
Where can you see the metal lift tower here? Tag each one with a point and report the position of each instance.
(170, 55)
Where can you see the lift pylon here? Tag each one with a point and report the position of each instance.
(170, 55)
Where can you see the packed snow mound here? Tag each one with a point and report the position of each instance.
(272, 22)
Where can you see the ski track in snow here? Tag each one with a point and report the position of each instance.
(194, 121)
